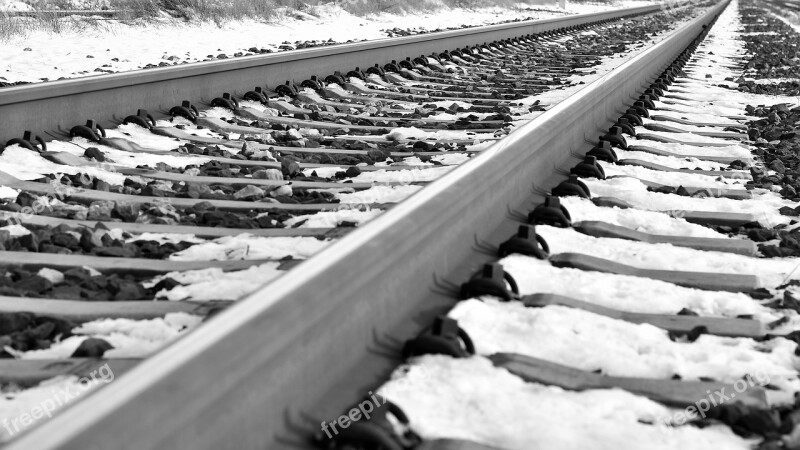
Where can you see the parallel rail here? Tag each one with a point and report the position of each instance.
(57, 106)
(315, 341)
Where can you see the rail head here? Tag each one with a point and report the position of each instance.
(317, 339)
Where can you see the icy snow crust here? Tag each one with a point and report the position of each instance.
(245, 246)
(214, 284)
(331, 219)
(130, 338)
(770, 271)
(625, 293)
(669, 161)
(29, 165)
(380, 194)
(763, 206)
(734, 150)
(53, 394)
(652, 222)
(691, 116)
(587, 341)
(441, 396)
(672, 178)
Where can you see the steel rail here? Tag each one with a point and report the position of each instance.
(323, 335)
(56, 106)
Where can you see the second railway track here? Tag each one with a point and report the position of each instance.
(330, 330)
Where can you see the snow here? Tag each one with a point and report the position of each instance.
(651, 222)
(130, 338)
(245, 246)
(162, 238)
(693, 117)
(625, 292)
(689, 127)
(125, 158)
(413, 133)
(686, 138)
(33, 404)
(587, 341)
(215, 284)
(702, 108)
(7, 192)
(108, 40)
(332, 219)
(732, 150)
(15, 230)
(763, 207)
(450, 159)
(440, 394)
(29, 165)
(669, 161)
(675, 179)
(380, 194)
(144, 137)
(402, 176)
(770, 271)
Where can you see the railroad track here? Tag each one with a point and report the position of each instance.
(326, 332)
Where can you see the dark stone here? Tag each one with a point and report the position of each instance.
(25, 198)
(34, 283)
(197, 190)
(126, 290)
(67, 292)
(15, 321)
(92, 348)
(65, 240)
(77, 275)
(101, 185)
(29, 242)
(761, 235)
(128, 212)
(777, 166)
(788, 211)
(165, 284)
(94, 153)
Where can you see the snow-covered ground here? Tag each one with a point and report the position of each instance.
(441, 396)
(130, 338)
(85, 49)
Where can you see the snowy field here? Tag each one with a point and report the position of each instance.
(113, 46)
